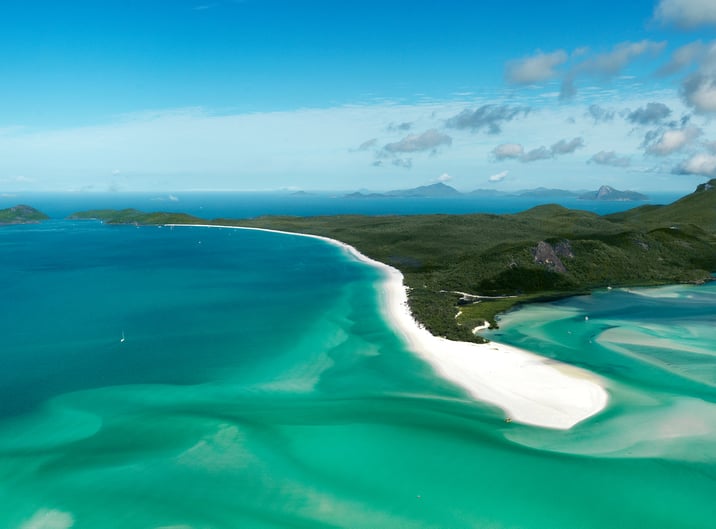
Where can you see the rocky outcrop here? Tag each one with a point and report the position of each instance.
(549, 256)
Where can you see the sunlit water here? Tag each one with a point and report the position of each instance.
(258, 386)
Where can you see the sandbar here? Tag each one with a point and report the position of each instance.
(529, 388)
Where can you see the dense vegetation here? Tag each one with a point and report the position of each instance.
(483, 264)
(134, 216)
(21, 214)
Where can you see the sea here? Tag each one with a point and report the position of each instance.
(210, 378)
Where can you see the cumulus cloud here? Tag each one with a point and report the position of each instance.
(368, 144)
(699, 92)
(405, 163)
(671, 141)
(686, 14)
(498, 177)
(428, 140)
(508, 151)
(612, 63)
(699, 89)
(610, 158)
(403, 127)
(701, 164)
(540, 153)
(515, 151)
(566, 147)
(600, 114)
(536, 68)
(650, 114)
(489, 117)
(609, 64)
(683, 57)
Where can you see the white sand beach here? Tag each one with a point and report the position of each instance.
(529, 388)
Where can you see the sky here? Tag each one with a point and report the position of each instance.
(259, 95)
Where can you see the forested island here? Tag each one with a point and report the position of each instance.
(21, 214)
(479, 265)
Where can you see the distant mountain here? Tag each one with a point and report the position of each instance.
(546, 192)
(609, 193)
(441, 190)
(21, 214)
(438, 190)
(432, 190)
(487, 193)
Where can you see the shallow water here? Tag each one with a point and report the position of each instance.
(258, 386)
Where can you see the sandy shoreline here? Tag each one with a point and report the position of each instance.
(529, 388)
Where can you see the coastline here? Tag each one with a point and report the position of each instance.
(530, 389)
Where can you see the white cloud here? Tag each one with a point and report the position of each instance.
(612, 63)
(489, 117)
(699, 91)
(508, 151)
(444, 178)
(566, 147)
(673, 140)
(428, 140)
(537, 68)
(515, 151)
(701, 164)
(610, 158)
(608, 65)
(686, 13)
(683, 57)
(499, 177)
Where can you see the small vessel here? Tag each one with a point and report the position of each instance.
(121, 340)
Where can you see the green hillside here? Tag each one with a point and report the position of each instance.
(697, 209)
(545, 252)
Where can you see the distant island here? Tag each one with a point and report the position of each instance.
(609, 193)
(21, 214)
(442, 190)
(476, 266)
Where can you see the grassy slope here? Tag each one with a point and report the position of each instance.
(495, 254)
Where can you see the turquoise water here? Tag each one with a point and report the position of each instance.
(258, 386)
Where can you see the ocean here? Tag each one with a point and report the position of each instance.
(205, 378)
(210, 205)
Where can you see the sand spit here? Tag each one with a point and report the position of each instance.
(529, 388)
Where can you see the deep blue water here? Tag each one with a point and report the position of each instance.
(247, 205)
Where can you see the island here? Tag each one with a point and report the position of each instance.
(21, 214)
(461, 271)
(442, 190)
(609, 193)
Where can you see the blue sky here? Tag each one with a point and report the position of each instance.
(328, 95)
